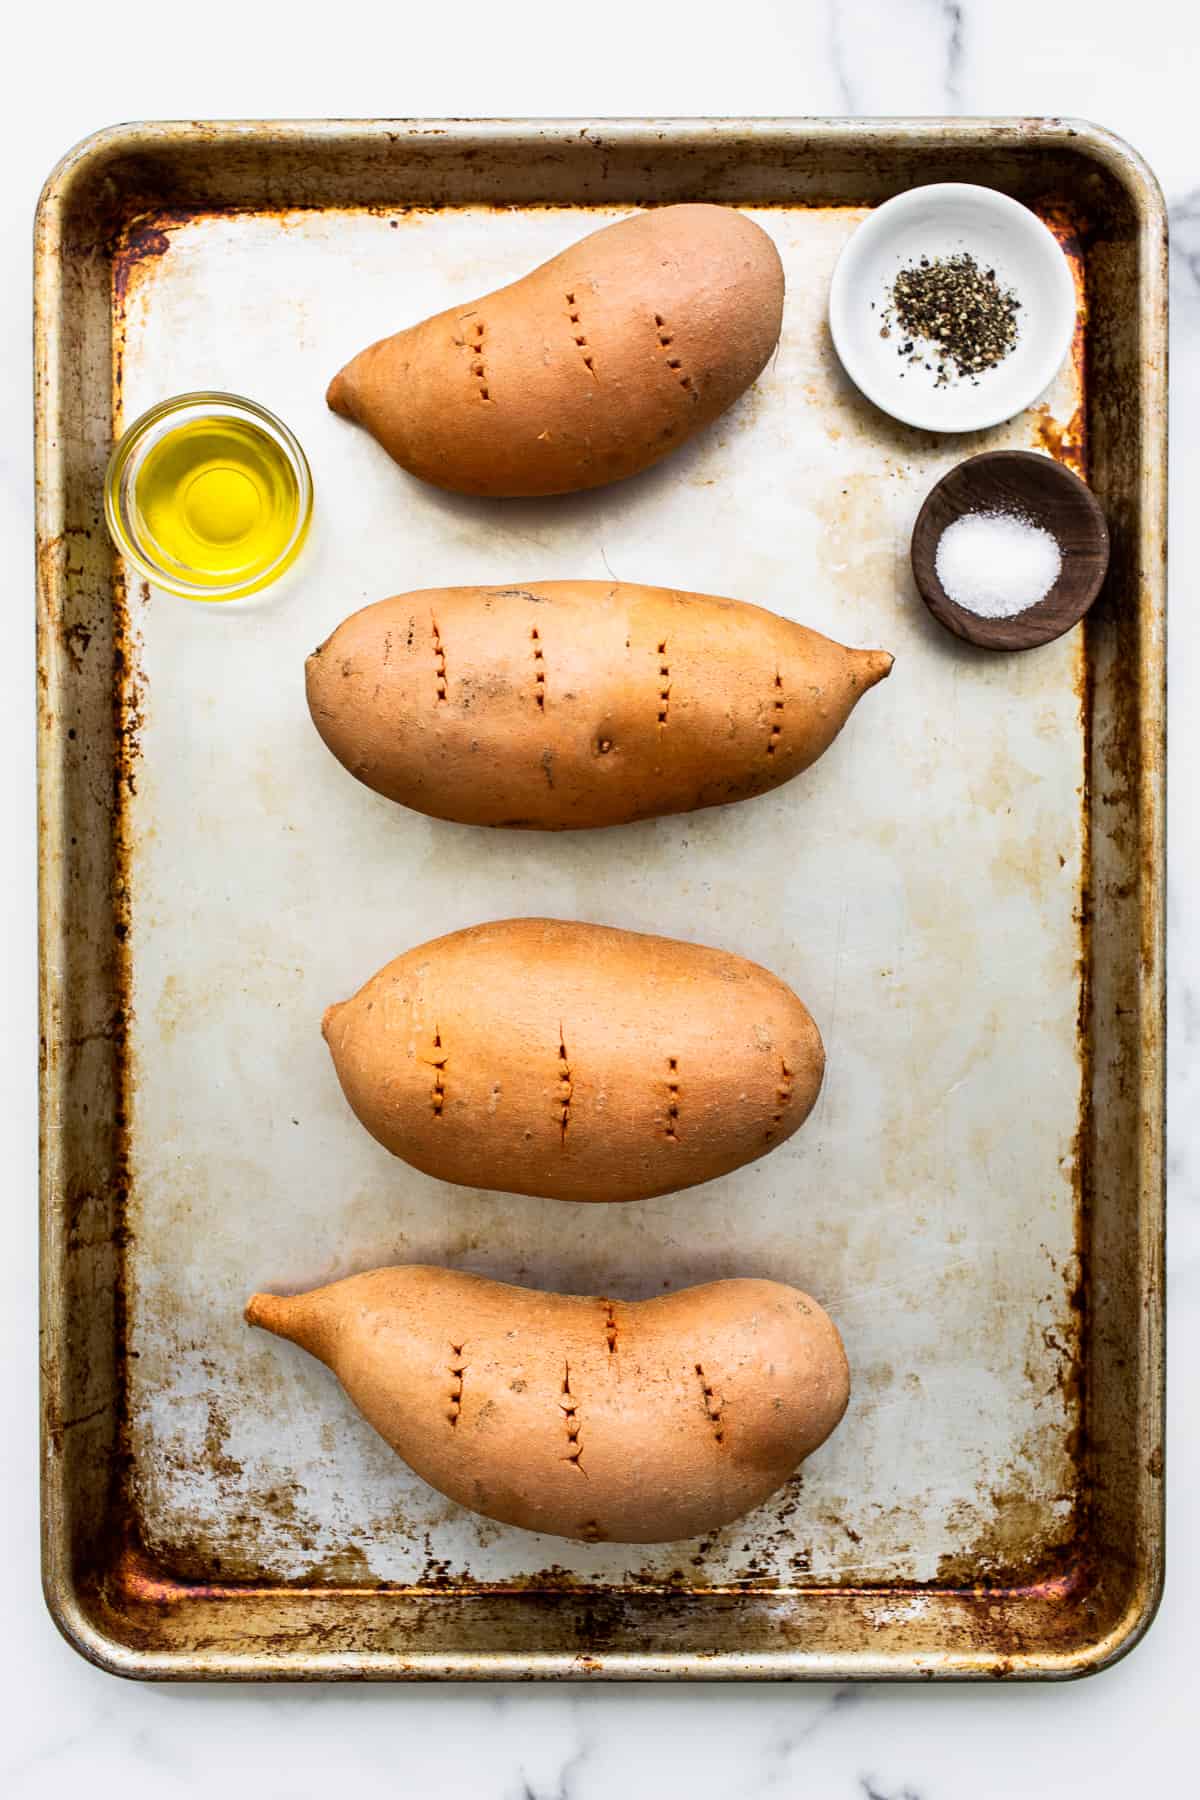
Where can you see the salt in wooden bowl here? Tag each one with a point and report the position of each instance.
(1035, 488)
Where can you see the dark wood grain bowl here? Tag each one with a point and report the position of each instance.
(1016, 481)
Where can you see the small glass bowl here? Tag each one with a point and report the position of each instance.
(129, 528)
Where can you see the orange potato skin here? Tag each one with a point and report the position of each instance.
(590, 368)
(588, 1418)
(534, 1056)
(569, 704)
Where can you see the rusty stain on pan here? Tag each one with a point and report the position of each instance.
(1007, 1607)
(1067, 443)
(141, 240)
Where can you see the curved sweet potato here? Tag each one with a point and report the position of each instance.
(591, 368)
(588, 1418)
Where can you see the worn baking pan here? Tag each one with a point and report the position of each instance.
(967, 890)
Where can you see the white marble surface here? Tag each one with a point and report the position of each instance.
(63, 1726)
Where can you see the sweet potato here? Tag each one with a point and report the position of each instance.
(596, 1419)
(592, 367)
(574, 1061)
(578, 703)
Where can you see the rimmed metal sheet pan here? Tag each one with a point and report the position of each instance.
(967, 890)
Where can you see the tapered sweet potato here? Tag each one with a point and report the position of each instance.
(586, 1418)
(575, 1061)
(578, 703)
(590, 368)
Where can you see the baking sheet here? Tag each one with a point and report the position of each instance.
(967, 890)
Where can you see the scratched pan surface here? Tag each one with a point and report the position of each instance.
(965, 890)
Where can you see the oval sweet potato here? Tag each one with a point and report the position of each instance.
(575, 1061)
(595, 1419)
(591, 368)
(578, 703)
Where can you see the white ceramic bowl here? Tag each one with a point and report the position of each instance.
(938, 221)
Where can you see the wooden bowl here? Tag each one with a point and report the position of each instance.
(1016, 481)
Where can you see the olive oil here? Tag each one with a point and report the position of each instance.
(217, 502)
(208, 495)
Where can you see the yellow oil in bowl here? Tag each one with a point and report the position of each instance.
(210, 496)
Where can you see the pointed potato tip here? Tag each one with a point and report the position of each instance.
(336, 396)
(302, 1319)
(328, 1016)
(876, 665)
(267, 1310)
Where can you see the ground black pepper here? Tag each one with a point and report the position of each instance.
(961, 309)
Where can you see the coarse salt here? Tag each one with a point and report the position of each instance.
(997, 564)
